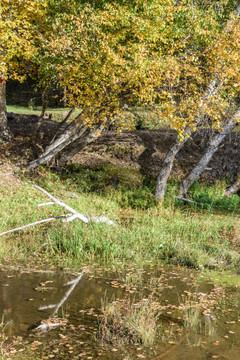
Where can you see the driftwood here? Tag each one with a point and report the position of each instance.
(75, 214)
(67, 217)
(49, 324)
(84, 218)
(35, 223)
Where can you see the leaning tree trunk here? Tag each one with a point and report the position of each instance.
(165, 171)
(72, 133)
(72, 149)
(62, 126)
(234, 188)
(176, 147)
(4, 132)
(210, 151)
(58, 145)
(75, 127)
(167, 168)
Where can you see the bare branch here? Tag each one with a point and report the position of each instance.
(35, 223)
(75, 214)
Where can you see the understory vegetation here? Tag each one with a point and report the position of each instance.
(203, 234)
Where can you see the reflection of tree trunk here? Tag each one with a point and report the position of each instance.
(234, 188)
(210, 151)
(4, 132)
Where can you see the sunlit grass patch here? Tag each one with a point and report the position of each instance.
(212, 197)
(58, 113)
(145, 233)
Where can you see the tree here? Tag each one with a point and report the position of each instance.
(108, 55)
(222, 61)
(16, 46)
(234, 188)
(208, 154)
(4, 133)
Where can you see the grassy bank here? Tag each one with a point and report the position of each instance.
(58, 114)
(197, 236)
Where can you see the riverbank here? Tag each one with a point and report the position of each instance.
(204, 235)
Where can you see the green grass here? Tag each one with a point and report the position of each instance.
(126, 323)
(146, 119)
(145, 233)
(58, 114)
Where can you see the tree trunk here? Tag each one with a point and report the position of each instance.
(75, 135)
(59, 144)
(62, 125)
(72, 149)
(234, 188)
(59, 137)
(210, 151)
(4, 132)
(175, 148)
(166, 168)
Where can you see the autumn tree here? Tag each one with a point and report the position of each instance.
(225, 60)
(217, 99)
(19, 36)
(171, 57)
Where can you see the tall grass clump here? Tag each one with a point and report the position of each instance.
(212, 197)
(124, 322)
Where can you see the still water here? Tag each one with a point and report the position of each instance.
(27, 299)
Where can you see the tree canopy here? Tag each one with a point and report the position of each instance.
(162, 54)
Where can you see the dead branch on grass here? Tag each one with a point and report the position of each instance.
(68, 217)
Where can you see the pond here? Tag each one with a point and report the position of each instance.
(198, 317)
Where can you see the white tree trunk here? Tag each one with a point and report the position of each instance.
(234, 188)
(210, 151)
(72, 149)
(59, 144)
(176, 147)
(167, 168)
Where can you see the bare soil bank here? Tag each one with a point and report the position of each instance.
(144, 149)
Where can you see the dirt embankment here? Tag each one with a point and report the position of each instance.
(144, 149)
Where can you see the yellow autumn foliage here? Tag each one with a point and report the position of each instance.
(159, 54)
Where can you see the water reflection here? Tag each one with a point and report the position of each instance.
(214, 333)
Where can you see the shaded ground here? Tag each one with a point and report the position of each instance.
(144, 149)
